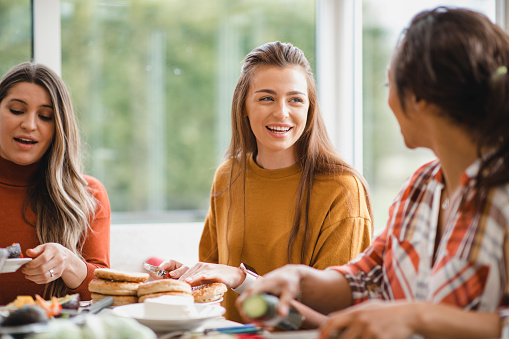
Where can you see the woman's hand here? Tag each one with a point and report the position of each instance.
(373, 319)
(203, 273)
(52, 261)
(283, 282)
(174, 268)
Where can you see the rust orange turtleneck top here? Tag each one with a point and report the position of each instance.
(14, 183)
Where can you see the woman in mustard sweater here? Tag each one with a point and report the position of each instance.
(283, 195)
(440, 268)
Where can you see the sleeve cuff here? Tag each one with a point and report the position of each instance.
(245, 284)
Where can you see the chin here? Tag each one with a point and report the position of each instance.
(22, 162)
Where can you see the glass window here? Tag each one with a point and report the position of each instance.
(152, 83)
(387, 162)
(15, 33)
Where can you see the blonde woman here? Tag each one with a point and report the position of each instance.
(60, 217)
(283, 195)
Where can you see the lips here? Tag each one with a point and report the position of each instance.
(25, 141)
(279, 129)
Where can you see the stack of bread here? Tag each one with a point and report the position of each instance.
(122, 286)
(157, 288)
(209, 292)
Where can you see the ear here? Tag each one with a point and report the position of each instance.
(417, 104)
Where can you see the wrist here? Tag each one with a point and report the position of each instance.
(250, 276)
(421, 318)
(242, 277)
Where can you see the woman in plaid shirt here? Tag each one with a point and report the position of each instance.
(440, 268)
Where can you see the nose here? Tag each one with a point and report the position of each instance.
(29, 121)
(282, 111)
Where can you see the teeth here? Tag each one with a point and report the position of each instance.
(26, 141)
(278, 129)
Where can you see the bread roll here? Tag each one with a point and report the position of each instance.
(163, 285)
(209, 292)
(118, 300)
(116, 275)
(113, 287)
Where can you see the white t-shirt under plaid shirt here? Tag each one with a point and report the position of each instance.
(471, 265)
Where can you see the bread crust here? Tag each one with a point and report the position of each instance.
(209, 292)
(118, 300)
(116, 275)
(155, 295)
(163, 285)
(113, 287)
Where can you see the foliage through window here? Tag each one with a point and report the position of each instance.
(152, 83)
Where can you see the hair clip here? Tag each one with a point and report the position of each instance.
(501, 70)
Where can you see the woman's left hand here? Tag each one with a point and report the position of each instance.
(50, 261)
(373, 319)
(202, 273)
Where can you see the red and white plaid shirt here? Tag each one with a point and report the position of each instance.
(471, 265)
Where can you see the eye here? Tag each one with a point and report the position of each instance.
(13, 111)
(46, 118)
(266, 99)
(299, 100)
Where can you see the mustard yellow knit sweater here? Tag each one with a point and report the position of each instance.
(339, 222)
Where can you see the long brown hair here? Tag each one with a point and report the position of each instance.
(59, 197)
(314, 150)
(458, 60)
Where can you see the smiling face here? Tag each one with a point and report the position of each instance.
(27, 123)
(277, 106)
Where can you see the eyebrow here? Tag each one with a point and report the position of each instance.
(274, 92)
(19, 100)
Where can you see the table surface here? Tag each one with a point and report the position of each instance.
(221, 322)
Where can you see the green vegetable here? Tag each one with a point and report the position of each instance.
(256, 306)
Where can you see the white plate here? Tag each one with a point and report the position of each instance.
(215, 302)
(137, 311)
(12, 265)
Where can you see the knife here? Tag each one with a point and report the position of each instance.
(92, 309)
(155, 269)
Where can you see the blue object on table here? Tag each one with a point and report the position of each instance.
(243, 329)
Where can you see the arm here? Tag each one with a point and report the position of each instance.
(52, 260)
(208, 251)
(324, 291)
(344, 226)
(402, 319)
(96, 246)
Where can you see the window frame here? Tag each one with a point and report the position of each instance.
(339, 47)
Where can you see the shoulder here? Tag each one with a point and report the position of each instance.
(345, 193)
(98, 191)
(224, 171)
(94, 185)
(341, 182)
(225, 167)
(499, 200)
(422, 175)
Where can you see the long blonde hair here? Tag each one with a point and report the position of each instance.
(59, 197)
(315, 152)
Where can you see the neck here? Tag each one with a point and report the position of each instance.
(456, 150)
(275, 161)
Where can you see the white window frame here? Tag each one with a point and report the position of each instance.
(339, 63)
(339, 72)
(47, 46)
(339, 75)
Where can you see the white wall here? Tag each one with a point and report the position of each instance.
(131, 245)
